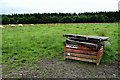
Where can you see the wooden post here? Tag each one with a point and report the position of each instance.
(64, 50)
(99, 55)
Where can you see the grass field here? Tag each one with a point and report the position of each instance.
(23, 45)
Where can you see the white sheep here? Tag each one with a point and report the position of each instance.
(1, 26)
(31, 24)
(21, 25)
(13, 25)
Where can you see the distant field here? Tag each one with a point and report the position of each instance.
(23, 45)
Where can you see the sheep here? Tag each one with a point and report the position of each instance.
(1, 26)
(13, 25)
(20, 25)
(31, 24)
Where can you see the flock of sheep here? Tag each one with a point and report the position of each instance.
(12, 25)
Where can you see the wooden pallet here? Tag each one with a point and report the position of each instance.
(84, 48)
(83, 53)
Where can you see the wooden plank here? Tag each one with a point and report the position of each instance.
(81, 59)
(82, 55)
(84, 45)
(81, 51)
(84, 40)
(86, 37)
(87, 43)
(81, 48)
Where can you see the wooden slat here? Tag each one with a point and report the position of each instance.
(87, 37)
(81, 59)
(81, 48)
(81, 44)
(84, 40)
(87, 43)
(81, 51)
(82, 55)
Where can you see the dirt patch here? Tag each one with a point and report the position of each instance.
(52, 68)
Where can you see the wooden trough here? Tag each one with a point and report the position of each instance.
(84, 48)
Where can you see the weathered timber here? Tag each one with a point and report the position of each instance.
(81, 55)
(89, 45)
(81, 51)
(86, 37)
(84, 40)
(84, 48)
(81, 59)
(81, 48)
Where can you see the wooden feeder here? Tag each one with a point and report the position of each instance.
(84, 48)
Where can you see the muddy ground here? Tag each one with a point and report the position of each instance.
(52, 68)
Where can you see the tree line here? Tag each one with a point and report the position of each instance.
(38, 18)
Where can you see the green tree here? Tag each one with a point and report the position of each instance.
(5, 20)
(67, 19)
(13, 21)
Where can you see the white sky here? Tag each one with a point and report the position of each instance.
(51, 6)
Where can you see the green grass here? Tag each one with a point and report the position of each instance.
(22, 45)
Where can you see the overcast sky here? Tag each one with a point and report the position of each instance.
(52, 6)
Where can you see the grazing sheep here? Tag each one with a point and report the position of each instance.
(13, 25)
(20, 25)
(31, 24)
(1, 26)
(9, 24)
